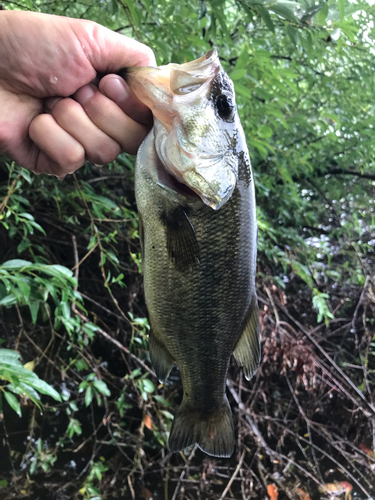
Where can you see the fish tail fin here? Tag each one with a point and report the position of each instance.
(211, 431)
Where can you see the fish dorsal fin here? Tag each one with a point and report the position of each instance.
(247, 351)
(162, 361)
(182, 243)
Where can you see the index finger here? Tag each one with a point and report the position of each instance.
(116, 89)
(109, 51)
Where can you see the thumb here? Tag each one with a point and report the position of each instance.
(110, 51)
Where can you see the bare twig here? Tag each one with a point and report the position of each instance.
(239, 465)
(182, 475)
(118, 344)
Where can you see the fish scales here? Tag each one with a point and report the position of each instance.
(199, 260)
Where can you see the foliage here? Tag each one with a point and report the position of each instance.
(22, 381)
(70, 288)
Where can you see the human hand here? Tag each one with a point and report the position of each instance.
(45, 59)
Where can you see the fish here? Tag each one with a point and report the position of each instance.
(195, 197)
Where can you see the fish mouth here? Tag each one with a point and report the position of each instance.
(191, 188)
(168, 182)
(213, 193)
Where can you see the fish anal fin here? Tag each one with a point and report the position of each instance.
(212, 432)
(182, 243)
(162, 361)
(247, 351)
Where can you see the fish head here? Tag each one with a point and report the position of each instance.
(196, 124)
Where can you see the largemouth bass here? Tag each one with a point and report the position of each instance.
(195, 197)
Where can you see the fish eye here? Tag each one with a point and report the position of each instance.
(224, 106)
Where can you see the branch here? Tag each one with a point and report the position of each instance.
(341, 171)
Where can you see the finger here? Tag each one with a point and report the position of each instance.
(109, 51)
(116, 89)
(16, 113)
(59, 146)
(99, 147)
(111, 119)
(44, 165)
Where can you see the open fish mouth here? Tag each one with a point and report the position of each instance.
(193, 186)
(169, 182)
(194, 126)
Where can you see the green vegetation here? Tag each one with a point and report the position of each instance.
(71, 298)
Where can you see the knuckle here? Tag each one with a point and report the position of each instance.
(65, 107)
(104, 155)
(73, 159)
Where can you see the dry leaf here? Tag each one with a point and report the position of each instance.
(147, 421)
(346, 485)
(302, 494)
(29, 366)
(272, 492)
(367, 450)
(338, 488)
(147, 495)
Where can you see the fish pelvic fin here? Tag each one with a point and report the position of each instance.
(247, 351)
(211, 431)
(162, 361)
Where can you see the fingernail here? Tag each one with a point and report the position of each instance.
(115, 89)
(84, 94)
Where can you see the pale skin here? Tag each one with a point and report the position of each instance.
(57, 110)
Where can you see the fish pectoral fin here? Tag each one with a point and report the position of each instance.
(182, 243)
(162, 361)
(211, 431)
(247, 351)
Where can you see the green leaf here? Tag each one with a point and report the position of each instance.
(33, 466)
(89, 394)
(43, 387)
(9, 356)
(321, 16)
(60, 270)
(341, 9)
(101, 387)
(15, 264)
(9, 300)
(265, 16)
(34, 308)
(237, 74)
(284, 10)
(13, 402)
(148, 386)
(293, 35)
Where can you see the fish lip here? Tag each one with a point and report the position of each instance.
(209, 195)
(170, 183)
